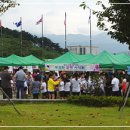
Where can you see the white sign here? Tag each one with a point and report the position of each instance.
(71, 67)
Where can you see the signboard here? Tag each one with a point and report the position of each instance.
(71, 67)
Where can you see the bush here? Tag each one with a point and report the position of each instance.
(97, 101)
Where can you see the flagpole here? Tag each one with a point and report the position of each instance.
(90, 35)
(42, 36)
(65, 29)
(1, 38)
(21, 37)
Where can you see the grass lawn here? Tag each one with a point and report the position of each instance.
(62, 114)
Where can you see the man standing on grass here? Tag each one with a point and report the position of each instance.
(20, 78)
(115, 86)
(6, 82)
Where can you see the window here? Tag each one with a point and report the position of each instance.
(81, 51)
(84, 51)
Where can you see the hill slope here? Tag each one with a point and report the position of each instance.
(10, 43)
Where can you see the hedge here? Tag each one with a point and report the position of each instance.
(97, 101)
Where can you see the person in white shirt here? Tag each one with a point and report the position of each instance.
(90, 87)
(101, 84)
(67, 84)
(83, 84)
(61, 88)
(115, 86)
(67, 88)
(75, 85)
(44, 89)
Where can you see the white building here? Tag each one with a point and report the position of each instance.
(82, 50)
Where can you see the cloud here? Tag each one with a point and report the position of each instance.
(53, 12)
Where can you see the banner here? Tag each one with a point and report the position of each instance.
(71, 67)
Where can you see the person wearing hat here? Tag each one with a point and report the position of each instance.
(6, 82)
(20, 78)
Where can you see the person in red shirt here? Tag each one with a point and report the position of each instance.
(124, 85)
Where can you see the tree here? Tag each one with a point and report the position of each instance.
(6, 4)
(31, 44)
(118, 15)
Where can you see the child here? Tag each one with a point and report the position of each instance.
(61, 89)
(36, 88)
(44, 89)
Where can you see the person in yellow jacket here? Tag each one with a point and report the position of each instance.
(51, 85)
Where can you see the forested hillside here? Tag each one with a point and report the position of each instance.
(10, 43)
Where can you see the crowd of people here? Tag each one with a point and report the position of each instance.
(50, 85)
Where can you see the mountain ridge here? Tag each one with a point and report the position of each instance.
(102, 40)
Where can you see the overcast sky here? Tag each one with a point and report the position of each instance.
(53, 16)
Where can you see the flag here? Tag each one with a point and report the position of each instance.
(18, 23)
(39, 21)
(65, 19)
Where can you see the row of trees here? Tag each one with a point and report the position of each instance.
(30, 45)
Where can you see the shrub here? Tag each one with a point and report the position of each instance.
(97, 101)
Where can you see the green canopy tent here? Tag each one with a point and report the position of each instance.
(30, 60)
(84, 57)
(69, 62)
(4, 62)
(68, 57)
(122, 57)
(105, 60)
(16, 60)
(125, 59)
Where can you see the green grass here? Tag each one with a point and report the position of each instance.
(62, 114)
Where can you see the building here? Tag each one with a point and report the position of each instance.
(82, 50)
